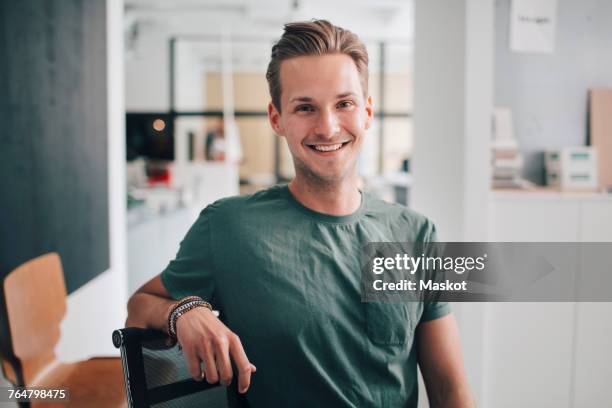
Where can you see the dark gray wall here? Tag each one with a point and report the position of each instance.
(548, 92)
(53, 135)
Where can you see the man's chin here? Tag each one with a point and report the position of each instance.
(326, 177)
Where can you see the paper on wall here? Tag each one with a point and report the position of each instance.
(533, 26)
(503, 130)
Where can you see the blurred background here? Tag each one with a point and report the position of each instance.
(122, 119)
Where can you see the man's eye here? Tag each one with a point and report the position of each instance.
(304, 108)
(345, 104)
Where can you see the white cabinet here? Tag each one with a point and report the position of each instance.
(528, 359)
(548, 354)
(593, 367)
(547, 220)
(596, 221)
(543, 216)
(593, 358)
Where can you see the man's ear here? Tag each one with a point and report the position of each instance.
(369, 112)
(275, 119)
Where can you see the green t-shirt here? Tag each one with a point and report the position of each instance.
(287, 281)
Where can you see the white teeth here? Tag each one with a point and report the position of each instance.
(327, 148)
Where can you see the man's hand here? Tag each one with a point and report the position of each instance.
(205, 339)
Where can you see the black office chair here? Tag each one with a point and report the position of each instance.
(156, 375)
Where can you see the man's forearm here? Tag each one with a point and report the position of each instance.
(148, 311)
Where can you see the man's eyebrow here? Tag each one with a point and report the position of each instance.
(309, 99)
(301, 99)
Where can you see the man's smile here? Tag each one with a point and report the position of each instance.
(327, 148)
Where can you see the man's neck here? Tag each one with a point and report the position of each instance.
(342, 198)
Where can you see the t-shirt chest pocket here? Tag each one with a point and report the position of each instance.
(390, 323)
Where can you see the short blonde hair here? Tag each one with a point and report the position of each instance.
(316, 37)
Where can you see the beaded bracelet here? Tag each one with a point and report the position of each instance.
(184, 309)
(175, 306)
(181, 308)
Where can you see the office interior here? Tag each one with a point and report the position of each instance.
(145, 111)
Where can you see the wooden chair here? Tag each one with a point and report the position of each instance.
(34, 304)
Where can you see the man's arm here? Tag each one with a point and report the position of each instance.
(203, 337)
(150, 306)
(439, 354)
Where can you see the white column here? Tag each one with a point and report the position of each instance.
(453, 98)
(99, 306)
(452, 114)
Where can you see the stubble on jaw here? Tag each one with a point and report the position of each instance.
(318, 183)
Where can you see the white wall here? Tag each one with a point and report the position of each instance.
(147, 72)
(190, 89)
(99, 307)
(189, 78)
(548, 92)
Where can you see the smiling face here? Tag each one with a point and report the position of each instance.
(323, 115)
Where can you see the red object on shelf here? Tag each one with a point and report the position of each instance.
(160, 178)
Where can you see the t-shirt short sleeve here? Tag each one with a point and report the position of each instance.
(191, 272)
(433, 309)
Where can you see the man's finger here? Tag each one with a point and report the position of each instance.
(245, 368)
(210, 367)
(193, 362)
(224, 367)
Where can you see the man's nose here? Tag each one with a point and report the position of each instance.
(327, 126)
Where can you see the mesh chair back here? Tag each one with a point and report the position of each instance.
(157, 376)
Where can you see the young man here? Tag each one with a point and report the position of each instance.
(283, 265)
